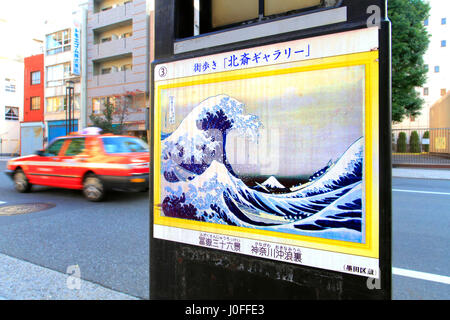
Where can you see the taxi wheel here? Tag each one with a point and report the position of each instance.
(21, 182)
(93, 188)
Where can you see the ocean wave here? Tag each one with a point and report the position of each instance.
(201, 185)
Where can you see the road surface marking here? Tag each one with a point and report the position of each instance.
(417, 191)
(421, 275)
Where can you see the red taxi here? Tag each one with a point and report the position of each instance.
(93, 163)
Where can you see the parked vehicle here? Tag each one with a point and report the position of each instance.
(86, 161)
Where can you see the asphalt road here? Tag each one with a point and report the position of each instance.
(108, 241)
(421, 239)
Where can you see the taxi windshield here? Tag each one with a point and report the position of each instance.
(124, 145)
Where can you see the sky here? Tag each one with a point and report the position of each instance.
(308, 118)
(26, 18)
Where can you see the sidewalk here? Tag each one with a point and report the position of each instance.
(419, 173)
(21, 280)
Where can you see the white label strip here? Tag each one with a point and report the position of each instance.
(298, 50)
(356, 265)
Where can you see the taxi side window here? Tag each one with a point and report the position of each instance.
(75, 147)
(53, 149)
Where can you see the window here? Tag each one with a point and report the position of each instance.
(12, 113)
(425, 23)
(443, 43)
(10, 85)
(425, 91)
(57, 73)
(106, 70)
(75, 147)
(444, 21)
(126, 67)
(98, 104)
(427, 68)
(58, 42)
(35, 103)
(54, 148)
(35, 77)
(222, 14)
(123, 145)
(58, 104)
(412, 118)
(126, 35)
(55, 104)
(437, 69)
(443, 92)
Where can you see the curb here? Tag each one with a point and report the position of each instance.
(418, 173)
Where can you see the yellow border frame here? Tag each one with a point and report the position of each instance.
(371, 174)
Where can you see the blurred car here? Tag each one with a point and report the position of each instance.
(86, 161)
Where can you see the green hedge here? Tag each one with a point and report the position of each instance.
(414, 143)
(401, 142)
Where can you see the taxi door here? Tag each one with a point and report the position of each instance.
(74, 161)
(44, 169)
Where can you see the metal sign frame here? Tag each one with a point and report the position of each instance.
(372, 281)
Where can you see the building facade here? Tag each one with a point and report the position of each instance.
(32, 127)
(11, 105)
(59, 55)
(440, 124)
(437, 62)
(119, 51)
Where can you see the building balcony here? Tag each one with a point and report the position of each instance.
(115, 78)
(118, 47)
(114, 15)
(60, 90)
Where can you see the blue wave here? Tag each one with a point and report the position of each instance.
(200, 183)
(165, 135)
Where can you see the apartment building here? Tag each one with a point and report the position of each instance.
(119, 51)
(32, 127)
(440, 122)
(436, 59)
(60, 57)
(11, 104)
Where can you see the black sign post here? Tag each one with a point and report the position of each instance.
(70, 110)
(249, 199)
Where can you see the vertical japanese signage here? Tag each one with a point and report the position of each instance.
(76, 51)
(273, 152)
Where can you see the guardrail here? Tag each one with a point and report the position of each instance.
(428, 147)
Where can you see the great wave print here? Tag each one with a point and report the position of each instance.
(201, 184)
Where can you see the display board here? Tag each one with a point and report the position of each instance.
(273, 152)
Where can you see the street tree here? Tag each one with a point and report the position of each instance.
(113, 115)
(410, 41)
(104, 122)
